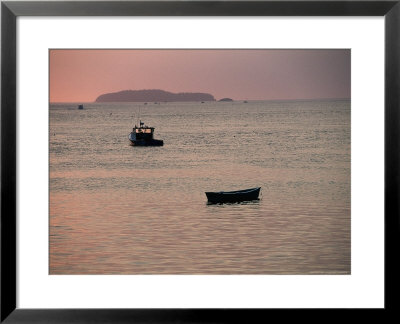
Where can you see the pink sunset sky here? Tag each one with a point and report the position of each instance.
(83, 75)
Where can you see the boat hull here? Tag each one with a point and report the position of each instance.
(153, 142)
(233, 196)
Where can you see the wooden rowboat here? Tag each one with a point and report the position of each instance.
(233, 196)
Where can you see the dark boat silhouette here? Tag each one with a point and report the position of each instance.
(143, 136)
(233, 196)
(80, 107)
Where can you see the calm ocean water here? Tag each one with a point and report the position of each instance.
(119, 209)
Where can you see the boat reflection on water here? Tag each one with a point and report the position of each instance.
(247, 202)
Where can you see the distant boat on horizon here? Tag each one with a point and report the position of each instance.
(80, 107)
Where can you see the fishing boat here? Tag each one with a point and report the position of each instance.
(143, 136)
(233, 196)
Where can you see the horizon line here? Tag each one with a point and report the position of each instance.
(234, 100)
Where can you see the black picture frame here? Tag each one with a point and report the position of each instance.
(10, 10)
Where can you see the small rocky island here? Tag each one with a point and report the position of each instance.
(226, 99)
(153, 96)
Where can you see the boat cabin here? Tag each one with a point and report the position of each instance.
(142, 133)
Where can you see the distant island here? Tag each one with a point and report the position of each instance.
(153, 95)
(226, 99)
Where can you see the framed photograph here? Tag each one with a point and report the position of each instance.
(198, 161)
